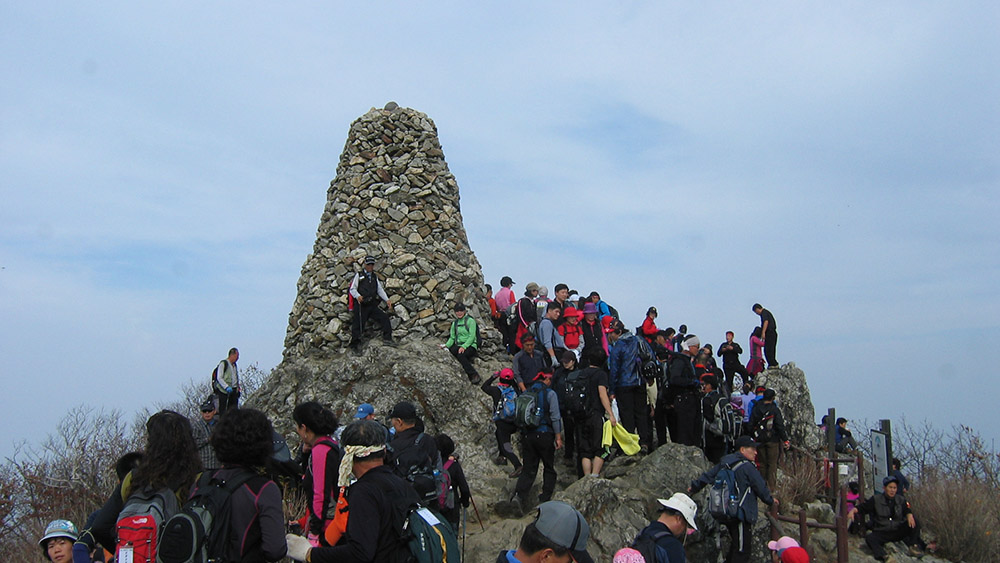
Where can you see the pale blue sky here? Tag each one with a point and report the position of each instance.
(164, 168)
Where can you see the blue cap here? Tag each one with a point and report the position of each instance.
(364, 409)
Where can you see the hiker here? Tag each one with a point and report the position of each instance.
(595, 343)
(571, 332)
(528, 362)
(243, 441)
(374, 526)
(226, 382)
(670, 529)
(845, 440)
(504, 299)
(730, 352)
(367, 291)
(539, 444)
(170, 461)
(715, 444)
(504, 393)
(588, 401)
(683, 395)
(551, 341)
(541, 302)
(750, 486)
(627, 386)
(463, 342)
(57, 543)
(767, 426)
(788, 550)
(567, 366)
(756, 363)
(558, 534)
(459, 485)
(891, 520)
(769, 334)
(603, 309)
(524, 315)
(413, 455)
(904, 483)
(648, 329)
(202, 429)
(315, 425)
(678, 339)
(561, 298)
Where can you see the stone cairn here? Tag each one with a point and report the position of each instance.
(394, 198)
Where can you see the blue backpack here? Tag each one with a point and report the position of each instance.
(645, 544)
(507, 405)
(725, 500)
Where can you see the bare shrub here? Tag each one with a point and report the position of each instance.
(800, 481)
(962, 513)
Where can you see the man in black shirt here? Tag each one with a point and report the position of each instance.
(730, 352)
(769, 332)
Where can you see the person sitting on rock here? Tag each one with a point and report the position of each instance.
(504, 393)
(367, 290)
(527, 362)
(558, 534)
(670, 529)
(891, 520)
(845, 440)
(462, 342)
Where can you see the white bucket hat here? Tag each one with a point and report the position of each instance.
(683, 504)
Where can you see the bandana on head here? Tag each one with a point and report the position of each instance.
(347, 463)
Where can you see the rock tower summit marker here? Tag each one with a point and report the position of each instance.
(394, 198)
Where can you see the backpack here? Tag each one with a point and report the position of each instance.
(200, 532)
(724, 498)
(764, 430)
(724, 423)
(649, 368)
(507, 406)
(454, 331)
(428, 482)
(141, 521)
(530, 408)
(447, 499)
(579, 395)
(426, 536)
(645, 544)
(613, 311)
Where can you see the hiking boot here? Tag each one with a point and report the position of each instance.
(516, 472)
(915, 551)
(513, 508)
(389, 342)
(475, 379)
(500, 460)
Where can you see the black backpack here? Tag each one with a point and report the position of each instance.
(200, 532)
(645, 544)
(426, 480)
(579, 394)
(649, 368)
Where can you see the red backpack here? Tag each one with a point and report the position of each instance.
(140, 523)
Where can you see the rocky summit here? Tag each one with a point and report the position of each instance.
(394, 198)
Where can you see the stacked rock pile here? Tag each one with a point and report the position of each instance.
(394, 198)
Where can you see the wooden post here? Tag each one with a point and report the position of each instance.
(803, 530)
(861, 477)
(831, 452)
(842, 524)
(885, 426)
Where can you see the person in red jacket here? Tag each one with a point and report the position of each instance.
(648, 329)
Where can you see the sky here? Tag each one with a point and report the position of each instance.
(163, 169)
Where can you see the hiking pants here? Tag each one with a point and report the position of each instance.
(502, 324)
(715, 447)
(731, 372)
(906, 534)
(569, 435)
(660, 420)
(634, 412)
(503, 433)
(767, 457)
(770, 344)
(227, 400)
(740, 536)
(364, 313)
(538, 446)
(465, 358)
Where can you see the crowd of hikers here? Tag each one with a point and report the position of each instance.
(579, 382)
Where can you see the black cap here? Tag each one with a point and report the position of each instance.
(506, 281)
(459, 307)
(404, 410)
(208, 405)
(769, 394)
(370, 260)
(745, 442)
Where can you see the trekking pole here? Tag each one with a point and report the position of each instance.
(465, 526)
(477, 513)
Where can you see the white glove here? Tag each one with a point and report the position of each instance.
(298, 547)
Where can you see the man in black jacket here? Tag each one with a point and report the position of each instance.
(373, 529)
(413, 455)
(683, 395)
(767, 426)
(891, 520)
(730, 352)
(769, 332)
(750, 486)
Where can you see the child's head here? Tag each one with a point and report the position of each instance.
(853, 487)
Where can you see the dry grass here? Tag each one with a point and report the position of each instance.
(801, 479)
(963, 515)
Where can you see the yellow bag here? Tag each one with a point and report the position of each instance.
(628, 442)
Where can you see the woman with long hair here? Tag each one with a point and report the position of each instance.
(315, 425)
(756, 363)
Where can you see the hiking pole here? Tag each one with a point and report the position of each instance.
(477, 513)
(465, 526)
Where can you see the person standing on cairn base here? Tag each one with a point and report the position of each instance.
(769, 332)
(367, 290)
(226, 382)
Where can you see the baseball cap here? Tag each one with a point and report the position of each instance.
(208, 405)
(744, 442)
(364, 409)
(564, 526)
(404, 410)
(459, 307)
(59, 529)
(370, 260)
(770, 394)
(506, 376)
(506, 281)
(683, 504)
